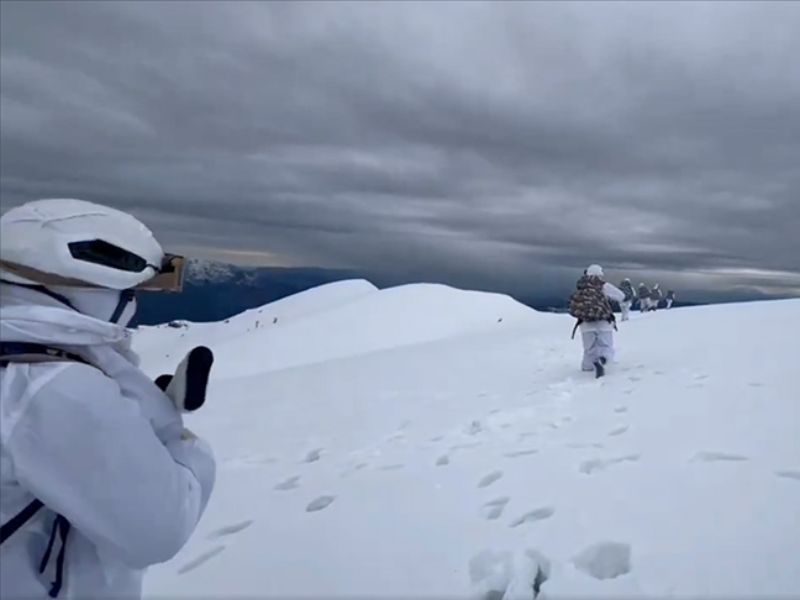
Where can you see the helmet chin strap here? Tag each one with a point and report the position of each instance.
(42, 290)
(125, 298)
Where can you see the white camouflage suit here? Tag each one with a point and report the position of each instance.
(598, 336)
(106, 449)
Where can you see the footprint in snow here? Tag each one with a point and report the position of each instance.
(204, 557)
(320, 503)
(539, 514)
(581, 446)
(289, 484)
(789, 474)
(489, 479)
(502, 575)
(229, 530)
(465, 446)
(519, 453)
(618, 431)
(494, 508)
(598, 464)
(443, 460)
(718, 457)
(621, 409)
(392, 467)
(474, 428)
(756, 384)
(605, 560)
(314, 455)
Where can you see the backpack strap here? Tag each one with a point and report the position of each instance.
(41, 289)
(29, 352)
(14, 523)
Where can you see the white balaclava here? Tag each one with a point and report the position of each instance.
(104, 304)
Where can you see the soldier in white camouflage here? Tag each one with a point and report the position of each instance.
(630, 296)
(644, 298)
(590, 305)
(655, 297)
(670, 298)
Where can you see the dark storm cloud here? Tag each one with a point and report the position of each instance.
(494, 145)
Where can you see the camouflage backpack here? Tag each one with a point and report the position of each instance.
(627, 289)
(589, 303)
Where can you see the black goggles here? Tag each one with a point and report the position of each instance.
(168, 277)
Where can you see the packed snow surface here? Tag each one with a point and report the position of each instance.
(423, 441)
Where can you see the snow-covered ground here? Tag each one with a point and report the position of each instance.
(427, 442)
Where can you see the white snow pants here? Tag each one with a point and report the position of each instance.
(597, 343)
(669, 303)
(644, 304)
(625, 306)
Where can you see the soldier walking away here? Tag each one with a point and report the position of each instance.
(670, 298)
(644, 298)
(590, 305)
(655, 298)
(625, 306)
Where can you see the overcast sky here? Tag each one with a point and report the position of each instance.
(501, 146)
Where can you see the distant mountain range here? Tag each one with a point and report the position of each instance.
(214, 291)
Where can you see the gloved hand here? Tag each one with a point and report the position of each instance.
(187, 388)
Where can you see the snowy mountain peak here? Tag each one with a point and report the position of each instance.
(199, 270)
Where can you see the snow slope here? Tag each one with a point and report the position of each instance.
(336, 321)
(434, 451)
(166, 350)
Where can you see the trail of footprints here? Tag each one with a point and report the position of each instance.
(601, 561)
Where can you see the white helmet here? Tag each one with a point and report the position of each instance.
(75, 243)
(594, 271)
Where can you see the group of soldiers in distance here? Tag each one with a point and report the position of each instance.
(648, 299)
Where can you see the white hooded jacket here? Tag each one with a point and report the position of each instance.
(100, 445)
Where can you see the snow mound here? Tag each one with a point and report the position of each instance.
(150, 341)
(337, 321)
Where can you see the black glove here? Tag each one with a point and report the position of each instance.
(187, 388)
